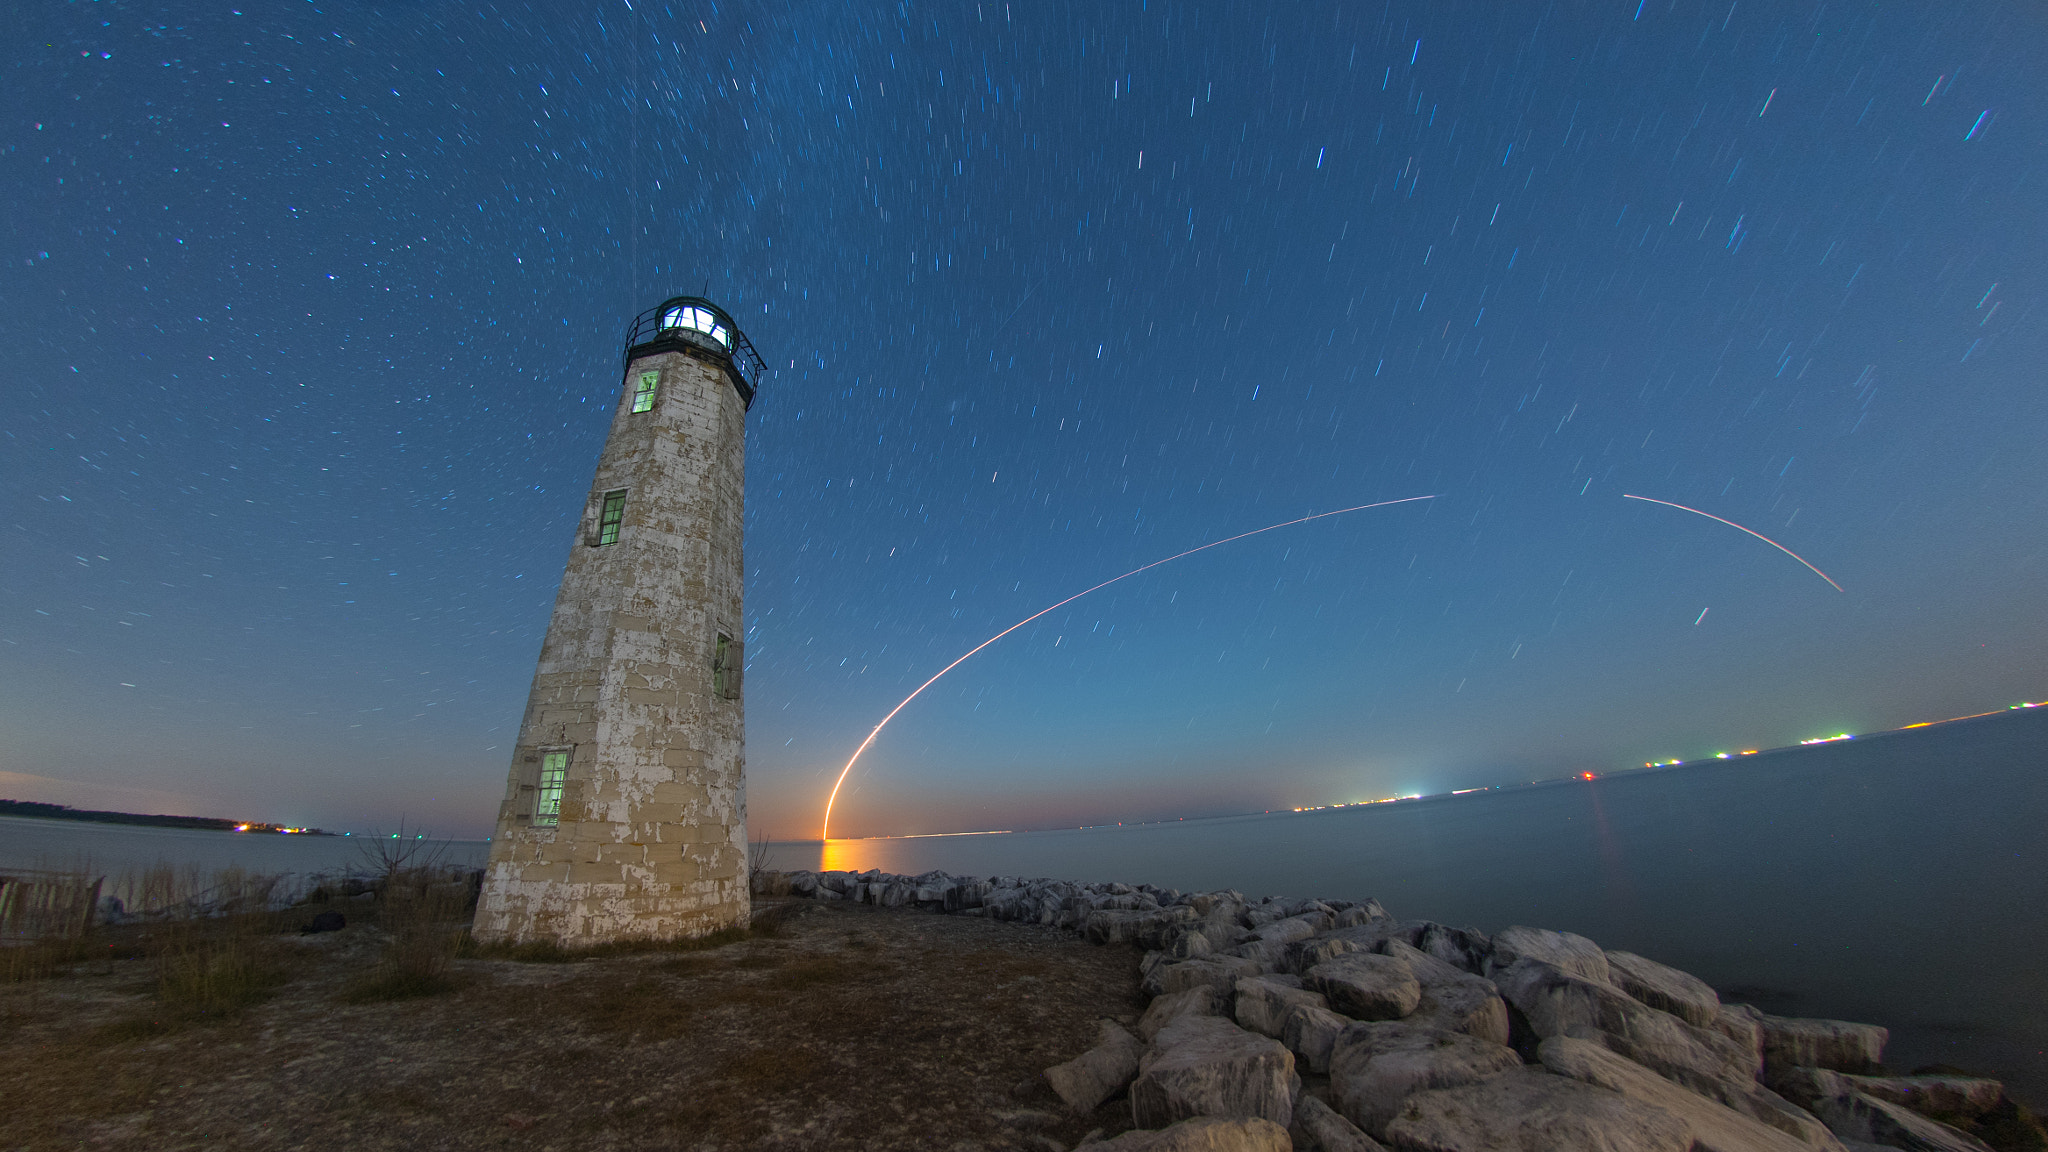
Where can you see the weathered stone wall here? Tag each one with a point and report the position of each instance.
(652, 836)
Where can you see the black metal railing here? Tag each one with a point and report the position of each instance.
(676, 321)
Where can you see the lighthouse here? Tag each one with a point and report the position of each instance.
(625, 810)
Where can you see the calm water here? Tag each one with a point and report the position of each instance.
(1896, 880)
(114, 849)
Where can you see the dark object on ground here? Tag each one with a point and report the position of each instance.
(324, 922)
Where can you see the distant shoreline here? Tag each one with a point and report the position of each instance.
(43, 811)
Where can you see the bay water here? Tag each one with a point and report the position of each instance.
(1895, 879)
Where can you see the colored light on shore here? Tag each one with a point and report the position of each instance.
(825, 827)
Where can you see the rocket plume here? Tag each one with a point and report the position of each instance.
(825, 828)
(1733, 524)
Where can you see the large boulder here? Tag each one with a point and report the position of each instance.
(1303, 955)
(1374, 1067)
(1744, 1025)
(1311, 1034)
(1264, 1001)
(1201, 1000)
(1166, 925)
(1837, 1045)
(1366, 985)
(1222, 972)
(1558, 1003)
(1573, 953)
(1207, 1066)
(1202, 1134)
(1862, 1117)
(1453, 999)
(1289, 930)
(1715, 1126)
(1465, 949)
(1664, 988)
(1965, 1096)
(1270, 955)
(1364, 913)
(1531, 1110)
(1317, 1125)
(1084, 1082)
(1118, 926)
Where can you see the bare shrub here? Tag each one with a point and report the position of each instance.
(426, 933)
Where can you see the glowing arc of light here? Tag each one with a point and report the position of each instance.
(825, 829)
(1733, 524)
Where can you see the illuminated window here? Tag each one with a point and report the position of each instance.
(643, 397)
(726, 666)
(699, 320)
(554, 768)
(611, 517)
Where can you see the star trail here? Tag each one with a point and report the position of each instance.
(313, 318)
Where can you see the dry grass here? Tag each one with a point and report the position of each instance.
(827, 1027)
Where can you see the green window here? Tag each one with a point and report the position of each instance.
(613, 515)
(727, 661)
(554, 768)
(643, 397)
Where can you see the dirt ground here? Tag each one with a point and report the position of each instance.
(852, 1028)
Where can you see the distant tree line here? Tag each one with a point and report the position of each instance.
(66, 812)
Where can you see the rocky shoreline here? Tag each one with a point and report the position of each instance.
(1305, 1024)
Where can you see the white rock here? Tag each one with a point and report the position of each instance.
(1201, 1000)
(1530, 1110)
(1317, 1125)
(1084, 1082)
(1264, 1001)
(1573, 953)
(1366, 985)
(1311, 1033)
(1834, 1044)
(1558, 1003)
(1715, 1126)
(1933, 1095)
(1465, 949)
(1665, 988)
(1744, 1025)
(1374, 1067)
(1220, 972)
(1858, 1116)
(1207, 1066)
(1453, 999)
(1286, 931)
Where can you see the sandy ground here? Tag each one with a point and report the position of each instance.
(855, 1028)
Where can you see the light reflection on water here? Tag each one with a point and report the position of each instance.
(1893, 879)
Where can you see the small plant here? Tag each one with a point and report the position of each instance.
(217, 974)
(757, 858)
(420, 905)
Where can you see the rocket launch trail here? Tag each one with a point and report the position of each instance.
(1733, 524)
(825, 828)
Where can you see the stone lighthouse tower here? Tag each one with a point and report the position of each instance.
(625, 815)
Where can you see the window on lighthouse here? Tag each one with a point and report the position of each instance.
(612, 515)
(698, 320)
(554, 770)
(643, 396)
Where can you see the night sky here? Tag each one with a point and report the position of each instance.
(312, 316)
